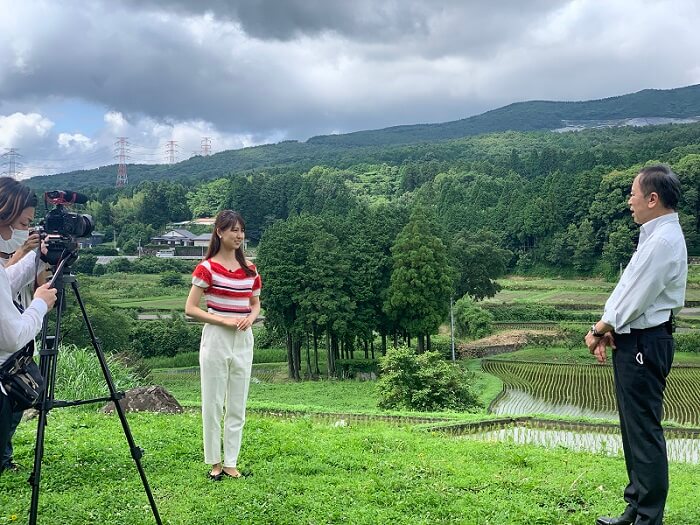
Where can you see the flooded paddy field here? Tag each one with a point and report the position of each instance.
(683, 445)
(584, 391)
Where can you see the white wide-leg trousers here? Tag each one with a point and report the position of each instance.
(225, 360)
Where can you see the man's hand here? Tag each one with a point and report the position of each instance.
(599, 351)
(592, 341)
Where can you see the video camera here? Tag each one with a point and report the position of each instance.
(60, 228)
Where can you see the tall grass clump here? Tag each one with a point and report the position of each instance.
(79, 375)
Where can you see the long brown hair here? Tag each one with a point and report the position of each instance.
(226, 220)
(14, 198)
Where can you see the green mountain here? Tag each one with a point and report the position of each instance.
(390, 144)
(534, 115)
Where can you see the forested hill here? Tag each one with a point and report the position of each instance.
(395, 145)
(534, 115)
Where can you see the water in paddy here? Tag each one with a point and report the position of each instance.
(680, 449)
(516, 402)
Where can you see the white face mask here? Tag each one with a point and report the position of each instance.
(18, 238)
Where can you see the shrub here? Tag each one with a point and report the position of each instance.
(181, 360)
(164, 337)
(267, 338)
(130, 247)
(120, 264)
(472, 320)
(442, 345)
(111, 325)
(349, 368)
(150, 264)
(85, 263)
(422, 382)
(79, 375)
(687, 342)
(572, 334)
(171, 278)
(269, 355)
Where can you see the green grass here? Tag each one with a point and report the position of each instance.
(487, 386)
(307, 471)
(134, 290)
(190, 359)
(168, 302)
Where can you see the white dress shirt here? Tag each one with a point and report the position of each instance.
(16, 329)
(653, 284)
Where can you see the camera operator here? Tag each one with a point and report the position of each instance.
(17, 207)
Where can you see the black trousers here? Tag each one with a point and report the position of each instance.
(5, 422)
(641, 364)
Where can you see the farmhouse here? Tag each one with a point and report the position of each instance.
(180, 237)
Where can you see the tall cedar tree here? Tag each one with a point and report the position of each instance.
(421, 280)
(283, 261)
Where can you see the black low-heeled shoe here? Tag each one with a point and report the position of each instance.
(216, 477)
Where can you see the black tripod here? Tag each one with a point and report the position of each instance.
(47, 364)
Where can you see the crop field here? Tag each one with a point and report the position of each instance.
(569, 291)
(584, 390)
(167, 302)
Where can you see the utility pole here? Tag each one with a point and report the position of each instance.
(171, 150)
(10, 159)
(206, 146)
(452, 328)
(122, 154)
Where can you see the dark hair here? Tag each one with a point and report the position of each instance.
(662, 181)
(15, 197)
(226, 220)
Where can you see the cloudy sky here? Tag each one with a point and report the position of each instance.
(75, 75)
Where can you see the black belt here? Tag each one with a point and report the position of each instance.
(650, 329)
(669, 326)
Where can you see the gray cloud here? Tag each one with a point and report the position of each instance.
(257, 70)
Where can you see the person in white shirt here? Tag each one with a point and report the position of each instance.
(637, 324)
(17, 329)
(16, 242)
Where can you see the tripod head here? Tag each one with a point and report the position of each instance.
(60, 249)
(58, 269)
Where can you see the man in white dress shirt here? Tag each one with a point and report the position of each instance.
(637, 325)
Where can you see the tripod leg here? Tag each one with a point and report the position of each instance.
(47, 364)
(136, 452)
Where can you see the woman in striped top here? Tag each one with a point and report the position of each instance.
(231, 288)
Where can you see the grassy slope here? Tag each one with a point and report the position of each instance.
(312, 472)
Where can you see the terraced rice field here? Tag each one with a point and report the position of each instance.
(584, 390)
(680, 449)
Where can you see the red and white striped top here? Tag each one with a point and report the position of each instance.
(226, 292)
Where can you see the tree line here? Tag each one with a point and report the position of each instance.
(379, 246)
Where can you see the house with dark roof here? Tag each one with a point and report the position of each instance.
(180, 237)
